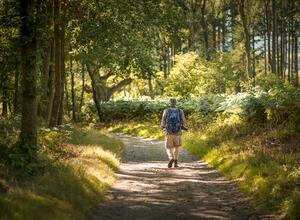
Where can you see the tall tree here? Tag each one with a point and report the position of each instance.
(59, 63)
(28, 135)
(72, 90)
(245, 25)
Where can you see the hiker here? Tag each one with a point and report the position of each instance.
(173, 122)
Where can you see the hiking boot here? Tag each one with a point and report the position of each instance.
(175, 163)
(170, 163)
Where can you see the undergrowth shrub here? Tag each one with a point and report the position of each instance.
(140, 110)
(275, 106)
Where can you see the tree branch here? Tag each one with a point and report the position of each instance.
(120, 85)
(105, 77)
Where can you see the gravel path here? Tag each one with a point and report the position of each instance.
(147, 190)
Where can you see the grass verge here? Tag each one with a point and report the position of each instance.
(78, 166)
(263, 159)
(141, 129)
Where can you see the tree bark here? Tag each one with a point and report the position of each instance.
(267, 2)
(165, 66)
(82, 87)
(62, 60)
(101, 92)
(150, 88)
(282, 42)
(97, 101)
(247, 37)
(265, 54)
(253, 58)
(274, 39)
(296, 68)
(51, 88)
(28, 135)
(56, 107)
(72, 91)
(16, 92)
(204, 29)
(4, 95)
(289, 52)
(44, 99)
(233, 12)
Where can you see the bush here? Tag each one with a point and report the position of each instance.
(282, 105)
(276, 106)
(142, 110)
(246, 105)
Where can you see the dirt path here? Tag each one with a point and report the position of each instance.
(146, 189)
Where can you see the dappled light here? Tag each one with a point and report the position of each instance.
(149, 109)
(147, 189)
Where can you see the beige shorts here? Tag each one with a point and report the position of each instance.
(173, 141)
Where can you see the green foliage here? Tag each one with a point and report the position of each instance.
(93, 137)
(250, 153)
(194, 76)
(245, 105)
(142, 109)
(210, 103)
(141, 129)
(53, 140)
(276, 106)
(283, 105)
(78, 165)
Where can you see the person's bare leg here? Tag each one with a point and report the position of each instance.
(176, 154)
(171, 155)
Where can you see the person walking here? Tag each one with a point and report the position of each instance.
(173, 122)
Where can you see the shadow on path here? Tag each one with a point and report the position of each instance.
(147, 190)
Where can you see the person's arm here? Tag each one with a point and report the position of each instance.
(183, 120)
(163, 120)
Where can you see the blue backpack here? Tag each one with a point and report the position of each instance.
(173, 121)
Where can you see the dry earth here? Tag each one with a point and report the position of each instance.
(147, 190)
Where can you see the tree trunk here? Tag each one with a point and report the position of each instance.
(277, 46)
(214, 36)
(82, 87)
(72, 91)
(296, 60)
(4, 95)
(54, 121)
(165, 66)
(265, 54)
(101, 92)
(62, 60)
(289, 52)
(97, 101)
(168, 60)
(282, 42)
(150, 87)
(292, 52)
(45, 80)
(247, 37)
(267, 2)
(50, 86)
(223, 34)
(253, 58)
(205, 29)
(67, 96)
(274, 39)
(233, 12)
(16, 92)
(28, 135)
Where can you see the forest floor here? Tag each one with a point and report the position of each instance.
(147, 189)
(77, 166)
